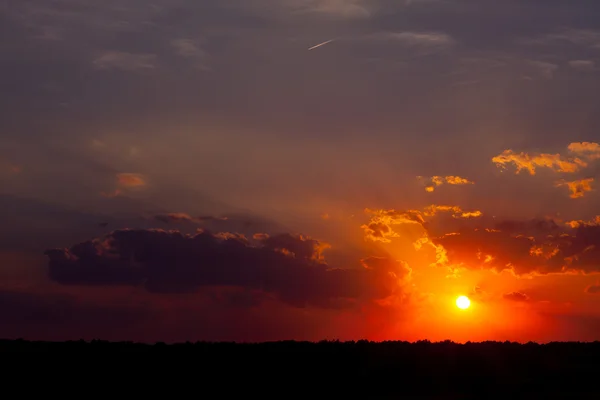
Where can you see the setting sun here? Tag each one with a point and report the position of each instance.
(463, 302)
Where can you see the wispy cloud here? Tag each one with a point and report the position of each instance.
(583, 65)
(184, 217)
(581, 37)
(335, 8)
(191, 49)
(127, 181)
(124, 61)
(130, 180)
(417, 39)
(546, 69)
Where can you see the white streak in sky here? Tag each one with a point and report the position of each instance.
(321, 44)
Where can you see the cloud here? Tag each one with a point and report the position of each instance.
(530, 162)
(593, 289)
(580, 154)
(588, 150)
(124, 61)
(581, 37)
(479, 295)
(130, 180)
(126, 181)
(538, 246)
(380, 226)
(583, 65)
(546, 69)
(516, 296)
(173, 217)
(576, 224)
(422, 39)
(313, 9)
(191, 49)
(455, 211)
(577, 188)
(335, 8)
(398, 268)
(435, 181)
(183, 217)
(291, 267)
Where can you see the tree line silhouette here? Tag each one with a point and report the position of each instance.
(381, 369)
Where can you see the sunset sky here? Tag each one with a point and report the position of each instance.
(255, 170)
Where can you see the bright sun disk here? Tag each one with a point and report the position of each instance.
(463, 302)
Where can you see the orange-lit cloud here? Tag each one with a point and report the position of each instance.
(577, 188)
(126, 181)
(530, 162)
(533, 247)
(436, 181)
(577, 223)
(456, 211)
(536, 247)
(589, 150)
(129, 180)
(379, 228)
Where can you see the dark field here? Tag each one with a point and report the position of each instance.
(360, 369)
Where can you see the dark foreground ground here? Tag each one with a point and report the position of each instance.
(362, 370)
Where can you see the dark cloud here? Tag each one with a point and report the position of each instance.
(536, 246)
(478, 294)
(593, 289)
(183, 217)
(289, 266)
(516, 296)
(247, 224)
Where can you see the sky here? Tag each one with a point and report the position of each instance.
(257, 170)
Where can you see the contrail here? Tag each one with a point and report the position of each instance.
(321, 44)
